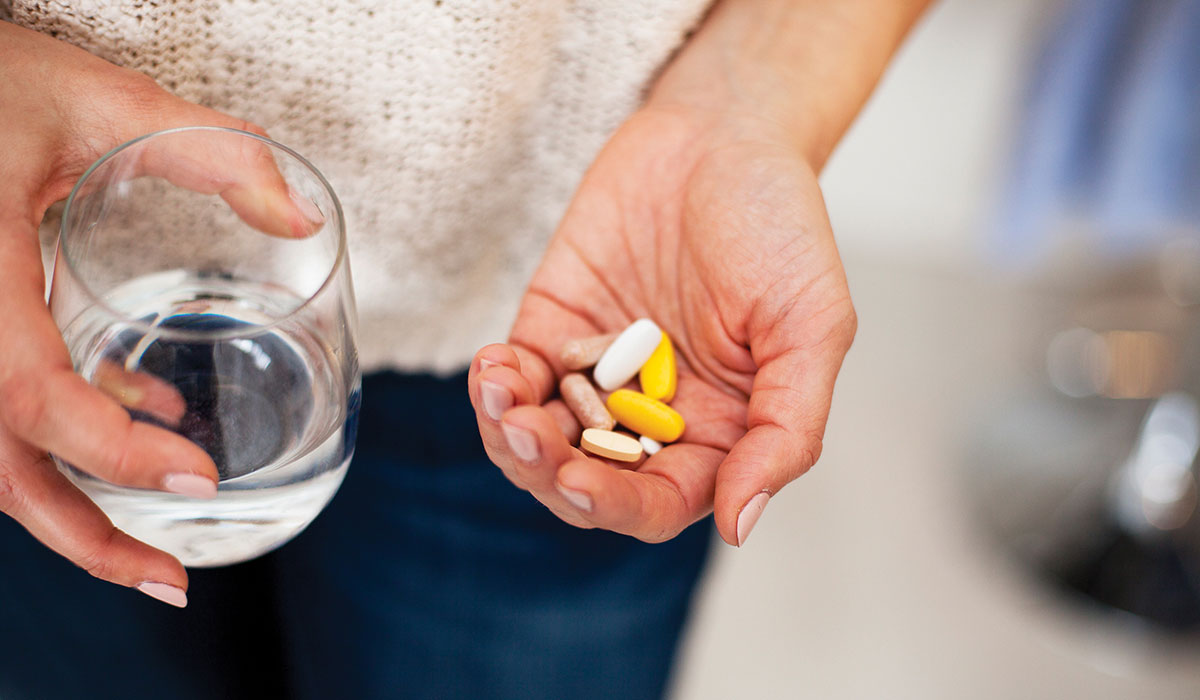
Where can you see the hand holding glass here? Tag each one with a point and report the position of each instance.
(216, 302)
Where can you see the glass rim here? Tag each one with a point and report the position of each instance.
(250, 330)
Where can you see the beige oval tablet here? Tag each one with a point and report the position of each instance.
(606, 443)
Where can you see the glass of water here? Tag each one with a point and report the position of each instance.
(202, 281)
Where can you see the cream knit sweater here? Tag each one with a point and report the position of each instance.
(454, 131)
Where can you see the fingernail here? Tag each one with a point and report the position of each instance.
(131, 396)
(496, 399)
(522, 442)
(749, 515)
(190, 485)
(125, 394)
(165, 592)
(579, 499)
(307, 207)
(485, 363)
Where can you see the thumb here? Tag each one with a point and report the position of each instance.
(241, 169)
(788, 409)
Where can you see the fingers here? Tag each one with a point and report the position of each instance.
(543, 326)
(56, 410)
(670, 491)
(44, 403)
(142, 392)
(35, 494)
(565, 419)
(530, 444)
(85, 106)
(789, 405)
(241, 170)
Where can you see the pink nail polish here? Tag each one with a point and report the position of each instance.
(165, 592)
(750, 514)
(496, 399)
(522, 442)
(579, 499)
(190, 485)
(307, 208)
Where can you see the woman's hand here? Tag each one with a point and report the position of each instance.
(714, 227)
(63, 108)
(702, 213)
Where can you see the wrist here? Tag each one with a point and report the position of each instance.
(802, 68)
(719, 96)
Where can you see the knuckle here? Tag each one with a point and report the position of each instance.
(116, 462)
(140, 88)
(251, 127)
(850, 323)
(134, 94)
(808, 453)
(110, 104)
(10, 495)
(98, 561)
(252, 153)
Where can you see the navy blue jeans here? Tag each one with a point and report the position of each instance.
(428, 576)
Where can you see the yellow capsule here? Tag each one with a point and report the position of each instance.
(644, 415)
(657, 376)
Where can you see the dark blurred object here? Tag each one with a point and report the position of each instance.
(1087, 475)
(1141, 555)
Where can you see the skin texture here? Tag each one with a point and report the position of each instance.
(704, 214)
(723, 240)
(62, 109)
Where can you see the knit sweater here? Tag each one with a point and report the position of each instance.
(454, 131)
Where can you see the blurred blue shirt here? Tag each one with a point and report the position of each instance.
(1110, 139)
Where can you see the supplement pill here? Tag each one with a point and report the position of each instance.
(584, 352)
(657, 376)
(622, 360)
(606, 443)
(646, 416)
(581, 397)
(650, 446)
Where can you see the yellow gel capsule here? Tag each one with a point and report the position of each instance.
(645, 415)
(657, 376)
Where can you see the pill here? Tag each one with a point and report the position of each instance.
(584, 352)
(622, 360)
(646, 416)
(657, 376)
(606, 443)
(649, 445)
(581, 397)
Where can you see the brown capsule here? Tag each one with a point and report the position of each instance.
(582, 353)
(581, 397)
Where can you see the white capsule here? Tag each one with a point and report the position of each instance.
(622, 360)
(649, 445)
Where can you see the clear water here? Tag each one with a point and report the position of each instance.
(270, 407)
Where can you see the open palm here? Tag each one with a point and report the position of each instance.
(719, 234)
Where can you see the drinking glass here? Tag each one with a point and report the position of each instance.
(201, 323)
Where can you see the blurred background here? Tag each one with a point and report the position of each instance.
(1006, 505)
